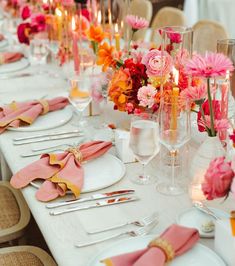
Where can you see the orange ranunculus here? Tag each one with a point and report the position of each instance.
(119, 88)
(95, 33)
(106, 56)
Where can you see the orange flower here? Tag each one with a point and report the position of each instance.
(106, 56)
(95, 34)
(119, 89)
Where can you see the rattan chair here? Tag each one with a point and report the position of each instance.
(14, 214)
(25, 256)
(205, 35)
(144, 9)
(167, 16)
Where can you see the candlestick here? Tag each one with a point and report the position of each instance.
(117, 38)
(75, 47)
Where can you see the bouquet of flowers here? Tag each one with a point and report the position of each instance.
(141, 77)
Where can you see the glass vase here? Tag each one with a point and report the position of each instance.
(210, 149)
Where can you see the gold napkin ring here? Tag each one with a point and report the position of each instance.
(45, 106)
(165, 246)
(77, 154)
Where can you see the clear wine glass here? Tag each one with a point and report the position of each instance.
(174, 133)
(144, 142)
(80, 94)
(38, 52)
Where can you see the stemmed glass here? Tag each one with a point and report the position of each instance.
(174, 133)
(38, 52)
(80, 94)
(144, 142)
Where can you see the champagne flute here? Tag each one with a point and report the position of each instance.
(174, 133)
(144, 142)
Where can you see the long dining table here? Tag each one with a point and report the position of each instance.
(63, 231)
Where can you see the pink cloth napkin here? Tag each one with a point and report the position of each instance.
(61, 172)
(25, 113)
(10, 57)
(180, 238)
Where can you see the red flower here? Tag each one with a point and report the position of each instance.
(39, 21)
(25, 12)
(23, 32)
(86, 14)
(206, 109)
(232, 137)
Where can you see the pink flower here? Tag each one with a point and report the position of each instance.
(146, 96)
(174, 37)
(181, 58)
(218, 179)
(157, 63)
(210, 65)
(136, 23)
(129, 108)
(25, 12)
(38, 21)
(233, 188)
(194, 93)
(96, 95)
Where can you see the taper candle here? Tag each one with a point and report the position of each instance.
(75, 47)
(117, 37)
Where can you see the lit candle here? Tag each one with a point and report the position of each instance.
(59, 18)
(174, 108)
(99, 18)
(176, 76)
(195, 188)
(117, 37)
(75, 46)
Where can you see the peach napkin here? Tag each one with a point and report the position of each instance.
(10, 57)
(61, 172)
(173, 242)
(25, 113)
(1, 37)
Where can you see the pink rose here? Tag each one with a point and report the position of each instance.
(157, 63)
(218, 179)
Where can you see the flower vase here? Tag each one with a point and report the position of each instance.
(208, 150)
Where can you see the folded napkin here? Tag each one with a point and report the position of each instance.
(1, 37)
(7, 57)
(175, 241)
(18, 114)
(61, 172)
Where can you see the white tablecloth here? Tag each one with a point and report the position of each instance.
(219, 10)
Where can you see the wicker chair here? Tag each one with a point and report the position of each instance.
(14, 215)
(25, 256)
(167, 16)
(144, 9)
(205, 36)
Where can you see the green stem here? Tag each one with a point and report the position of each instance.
(213, 133)
(204, 118)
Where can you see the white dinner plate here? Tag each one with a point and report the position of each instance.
(15, 66)
(3, 44)
(199, 255)
(99, 173)
(194, 218)
(48, 121)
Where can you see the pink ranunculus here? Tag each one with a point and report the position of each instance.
(136, 23)
(25, 12)
(38, 21)
(210, 65)
(218, 179)
(157, 63)
(146, 96)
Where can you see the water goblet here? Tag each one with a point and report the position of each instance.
(144, 142)
(174, 133)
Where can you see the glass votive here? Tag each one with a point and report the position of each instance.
(195, 192)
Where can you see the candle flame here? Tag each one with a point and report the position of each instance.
(58, 12)
(116, 28)
(73, 24)
(99, 17)
(176, 75)
(44, 1)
